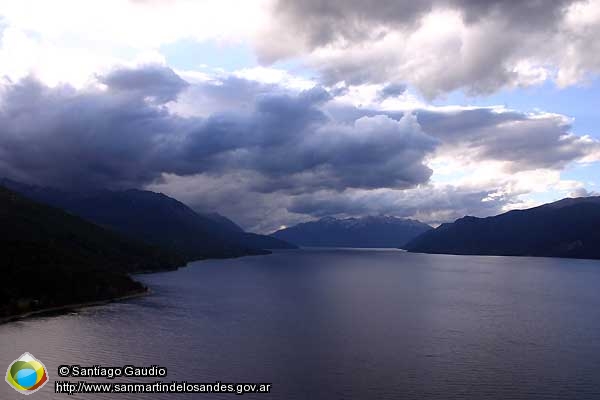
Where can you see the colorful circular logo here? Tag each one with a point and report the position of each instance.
(27, 374)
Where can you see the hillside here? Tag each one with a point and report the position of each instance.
(156, 219)
(372, 231)
(567, 228)
(49, 258)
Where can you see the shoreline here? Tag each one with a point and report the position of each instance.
(74, 306)
(146, 292)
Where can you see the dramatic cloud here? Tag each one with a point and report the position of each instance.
(440, 45)
(121, 135)
(435, 45)
(268, 155)
(64, 137)
(116, 94)
(336, 19)
(523, 141)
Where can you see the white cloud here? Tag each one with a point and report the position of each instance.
(67, 41)
(440, 46)
(436, 46)
(369, 96)
(136, 24)
(275, 76)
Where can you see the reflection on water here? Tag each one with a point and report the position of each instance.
(344, 324)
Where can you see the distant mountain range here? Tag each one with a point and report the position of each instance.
(155, 219)
(50, 258)
(567, 228)
(372, 231)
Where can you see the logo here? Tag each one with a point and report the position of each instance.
(27, 374)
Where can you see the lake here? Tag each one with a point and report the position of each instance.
(343, 324)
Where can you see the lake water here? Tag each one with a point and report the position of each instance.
(344, 324)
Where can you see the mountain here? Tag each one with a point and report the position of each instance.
(223, 221)
(256, 241)
(567, 228)
(49, 258)
(372, 231)
(247, 239)
(156, 219)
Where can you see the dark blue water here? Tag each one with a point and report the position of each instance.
(345, 324)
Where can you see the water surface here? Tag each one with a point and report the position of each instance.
(345, 324)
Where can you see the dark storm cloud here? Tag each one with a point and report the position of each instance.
(157, 82)
(296, 146)
(60, 136)
(118, 138)
(526, 141)
(373, 152)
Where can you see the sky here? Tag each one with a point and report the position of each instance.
(275, 112)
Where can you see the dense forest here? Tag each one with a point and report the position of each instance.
(49, 258)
